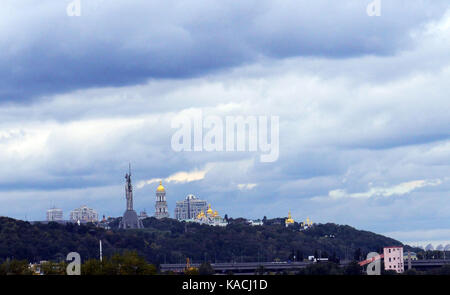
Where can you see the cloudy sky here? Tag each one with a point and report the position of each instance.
(363, 105)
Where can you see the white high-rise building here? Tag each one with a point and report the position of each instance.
(54, 214)
(190, 207)
(83, 214)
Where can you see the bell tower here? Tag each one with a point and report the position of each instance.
(161, 210)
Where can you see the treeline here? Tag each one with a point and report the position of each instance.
(128, 263)
(433, 254)
(171, 241)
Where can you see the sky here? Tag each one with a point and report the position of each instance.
(89, 86)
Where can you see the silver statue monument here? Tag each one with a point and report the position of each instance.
(130, 218)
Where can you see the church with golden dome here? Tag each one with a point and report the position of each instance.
(161, 209)
(303, 225)
(307, 224)
(210, 217)
(193, 209)
(289, 221)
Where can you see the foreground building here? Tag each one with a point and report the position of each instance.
(130, 218)
(190, 207)
(393, 258)
(83, 214)
(54, 214)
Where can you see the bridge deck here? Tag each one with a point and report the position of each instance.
(280, 266)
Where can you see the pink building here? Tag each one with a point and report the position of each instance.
(393, 259)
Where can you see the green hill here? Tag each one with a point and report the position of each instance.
(172, 241)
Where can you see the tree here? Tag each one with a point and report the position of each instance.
(421, 255)
(15, 267)
(53, 268)
(91, 267)
(353, 268)
(334, 258)
(444, 270)
(322, 269)
(357, 255)
(206, 269)
(260, 270)
(192, 271)
(411, 272)
(130, 263)
(292, 256)
(389, 272)
(166, 240)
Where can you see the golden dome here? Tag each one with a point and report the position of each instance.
(216, 213)
(289, 220)
(200, 215)
(160, 187)
(210, 211)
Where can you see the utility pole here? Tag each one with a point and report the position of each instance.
(409, 260)
(101, 252)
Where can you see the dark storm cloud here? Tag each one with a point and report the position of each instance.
(115, 43)
(363, 107)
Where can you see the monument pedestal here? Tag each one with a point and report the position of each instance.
(130, 219)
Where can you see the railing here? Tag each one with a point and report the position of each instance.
(239, 266)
